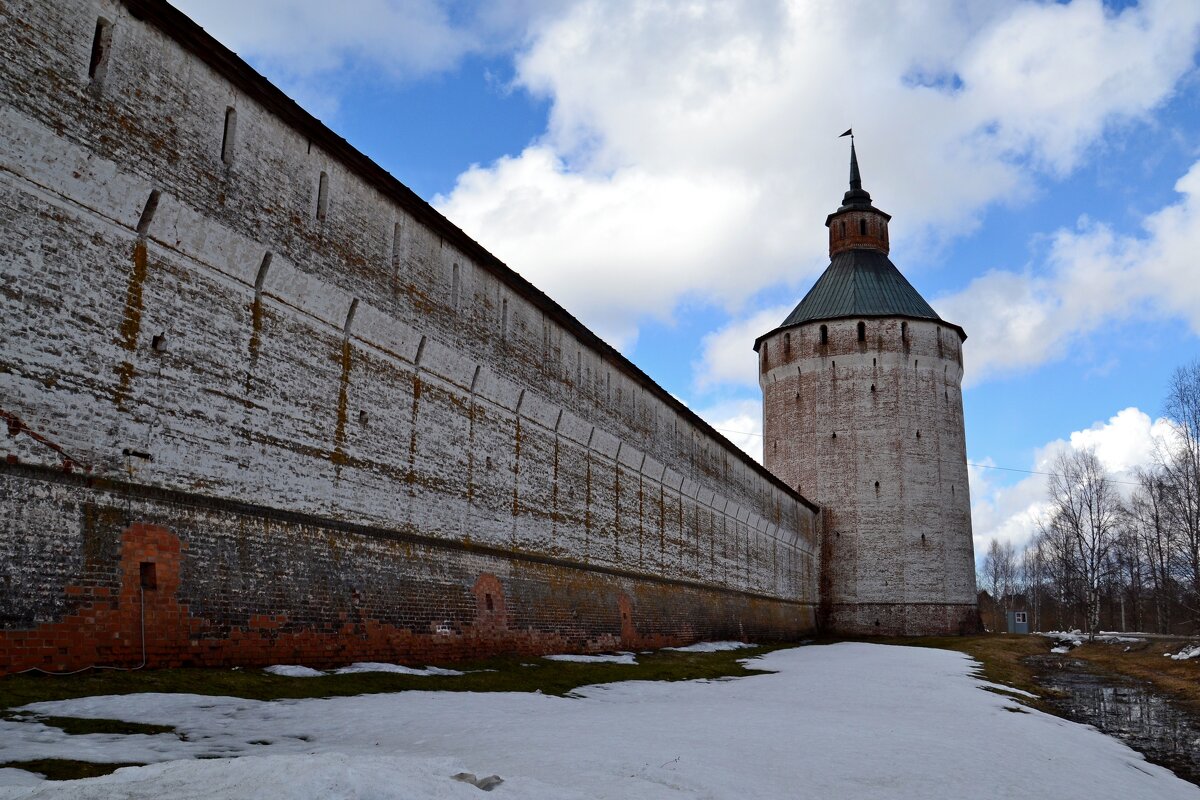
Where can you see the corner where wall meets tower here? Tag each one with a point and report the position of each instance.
(862, 412)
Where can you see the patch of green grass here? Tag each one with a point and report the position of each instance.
(506, 674)
(63, 769)
(78, 726)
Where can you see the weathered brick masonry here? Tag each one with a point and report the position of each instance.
(263, 400)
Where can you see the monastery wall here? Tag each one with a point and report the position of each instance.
(262, 398)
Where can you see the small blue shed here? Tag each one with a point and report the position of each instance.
(1018, 622)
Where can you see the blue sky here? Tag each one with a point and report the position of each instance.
(664, 170)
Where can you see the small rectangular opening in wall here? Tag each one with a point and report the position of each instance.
(323, 196)
(148, 210)
(504, 319)
(148, 575)
(487, 599)
(101, 45)
(261, 278)
(397, 232)
(228, 137)
(455, 287)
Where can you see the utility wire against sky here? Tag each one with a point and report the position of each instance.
(969, 463)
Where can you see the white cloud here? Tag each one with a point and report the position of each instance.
(1124, 442)
(1091, 277)
(690, 148)
(612, 249)
(316, 50)
(740, 421)
(727, 353)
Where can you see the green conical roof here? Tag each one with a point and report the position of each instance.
(860, 283)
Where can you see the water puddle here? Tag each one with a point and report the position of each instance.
(1133, 712)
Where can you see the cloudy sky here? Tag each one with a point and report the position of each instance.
(663, 169)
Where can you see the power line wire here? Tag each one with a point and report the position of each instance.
(969, 463)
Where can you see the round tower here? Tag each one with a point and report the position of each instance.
(862, 412)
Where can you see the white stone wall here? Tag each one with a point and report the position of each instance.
(362, 364)
(873, 431)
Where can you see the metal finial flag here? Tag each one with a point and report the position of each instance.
(849, 132)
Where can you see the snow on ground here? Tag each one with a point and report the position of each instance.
(604, 658)
(375, 666)
(710, 647)
(293, 671)
(1186, 653)
(848, 720)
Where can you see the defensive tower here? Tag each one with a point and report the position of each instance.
(862, 411)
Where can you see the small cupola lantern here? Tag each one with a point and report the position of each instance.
(857, 224)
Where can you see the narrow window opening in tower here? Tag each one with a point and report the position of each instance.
(101, 44)
(862, 227)
(323, 196)
(396, 233)
(876, 487)
(904, 332)
(765, 355)
(952, 490)
(874, 362)
(504, 318)
(872, 388)
(787, 344)
(228, 135)
(862, 331)
(148, 211)
(455, 286)
(824, 334)
(842, 226)
(918, 434)
(834, 435)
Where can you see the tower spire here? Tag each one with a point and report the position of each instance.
(857, 195)
(855, 177)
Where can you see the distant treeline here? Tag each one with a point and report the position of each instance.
(1106, 558)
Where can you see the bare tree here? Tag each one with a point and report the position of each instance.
(1000, 574)
(1127, 577)
(1180, 465)
(1033, 577)
(1156, 536)
(1085, 513)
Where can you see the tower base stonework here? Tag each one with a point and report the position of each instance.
(903, 619)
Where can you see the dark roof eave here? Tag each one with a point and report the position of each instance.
(957, 328)
(847, 209)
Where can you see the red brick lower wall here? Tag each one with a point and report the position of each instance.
(215, 587)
